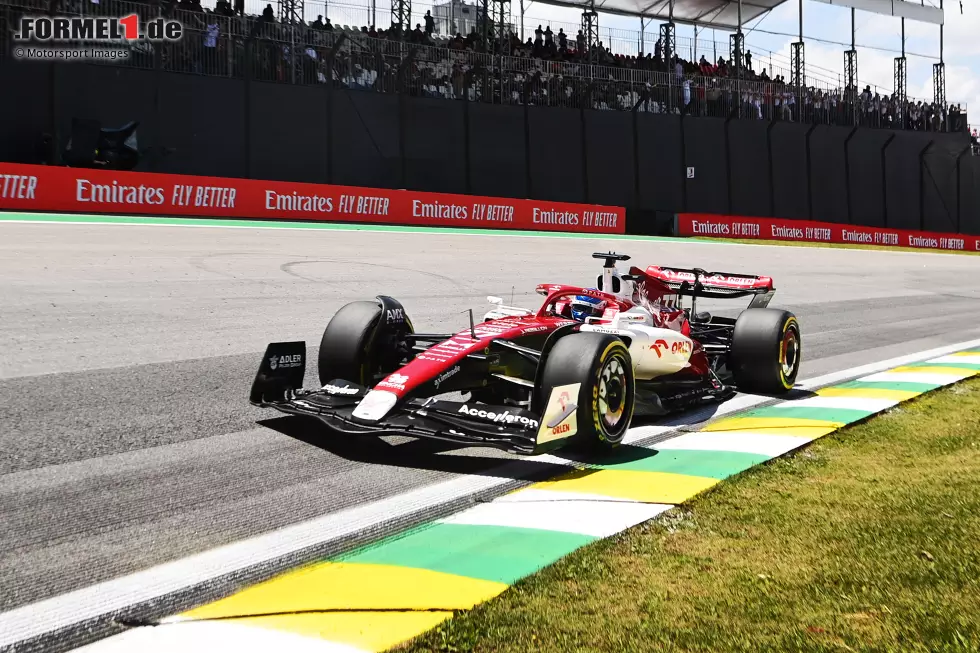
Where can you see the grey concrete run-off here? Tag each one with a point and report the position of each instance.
(126, 438)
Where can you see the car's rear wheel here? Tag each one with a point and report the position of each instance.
(601, 363)
(766, 351)
(354, 347)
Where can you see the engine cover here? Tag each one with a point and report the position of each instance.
(655, 351)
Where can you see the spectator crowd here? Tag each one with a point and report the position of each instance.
(546, 69)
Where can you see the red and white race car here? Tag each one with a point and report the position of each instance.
(529, 381)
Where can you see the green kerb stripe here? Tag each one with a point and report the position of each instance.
(965, 366)
(903, 386)
(707, 463)
(496, 553)
(788, 410)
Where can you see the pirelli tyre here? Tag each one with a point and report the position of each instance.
(766, 351)
(357, 347)
(601, 363)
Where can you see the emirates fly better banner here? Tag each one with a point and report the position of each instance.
(77, 190)
(726, 226)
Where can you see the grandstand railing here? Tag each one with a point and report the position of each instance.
(239, 46)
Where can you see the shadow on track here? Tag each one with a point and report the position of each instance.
(414, 454)
(427, 455)
(437, 456)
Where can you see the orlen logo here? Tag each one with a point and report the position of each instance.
(62, 29)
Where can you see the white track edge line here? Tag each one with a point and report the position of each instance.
(45, 616)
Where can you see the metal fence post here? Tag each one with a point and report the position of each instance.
(809, 172)
(922, 186)
(589, 91)
(847, 174)
(959, 181)
(247, 105)
(528, 177)
(331, 54)
(644, 97)
(402, 110)
(55, 120)
(884, 179)
(772, 176)
(728, 163)
(683, 142)
(467, 83)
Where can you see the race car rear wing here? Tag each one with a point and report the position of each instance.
(698, 283)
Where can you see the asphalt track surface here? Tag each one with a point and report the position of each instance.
(127, 439)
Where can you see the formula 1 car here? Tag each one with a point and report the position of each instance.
(534, 381)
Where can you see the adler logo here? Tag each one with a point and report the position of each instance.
(285, 361)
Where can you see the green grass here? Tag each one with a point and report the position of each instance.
(877, 248)
(868, 540)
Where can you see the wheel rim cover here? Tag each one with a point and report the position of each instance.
(789, 352)
(612, 393)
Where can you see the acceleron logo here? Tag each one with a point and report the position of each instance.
(75, 29)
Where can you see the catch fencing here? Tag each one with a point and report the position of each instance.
(240, 47)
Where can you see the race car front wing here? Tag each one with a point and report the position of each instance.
(278, 384)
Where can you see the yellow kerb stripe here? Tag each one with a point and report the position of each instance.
(648, 487)
(352, 586)
(870, 393)
(936, 369)
(775, 425)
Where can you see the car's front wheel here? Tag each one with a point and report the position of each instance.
(602, 366)
(355, 347)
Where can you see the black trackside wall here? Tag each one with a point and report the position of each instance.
(238, 128)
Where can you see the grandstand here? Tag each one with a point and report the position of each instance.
(493, 64)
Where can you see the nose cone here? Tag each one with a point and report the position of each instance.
(375, 405)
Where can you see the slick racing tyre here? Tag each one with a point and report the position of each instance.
(766, 351)
(601, 363)
(354, 347)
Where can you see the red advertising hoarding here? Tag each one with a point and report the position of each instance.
(703, 225)
(78, 190)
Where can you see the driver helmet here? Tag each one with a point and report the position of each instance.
(584, 307)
